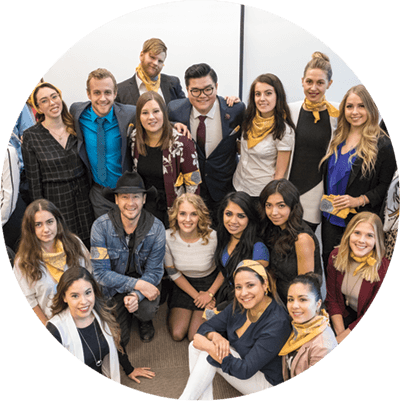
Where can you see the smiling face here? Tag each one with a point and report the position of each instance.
(277, 210)
(203, 103)
(152, 63)
(354, 111)
(187, 218)
(130, 206)
(315, 84)
(102, 94)
(235, 220)
(49, 102)
(152, 118)
(80, 299)
(249, 291)
(265, 99)
(362, 239)
(301, 303)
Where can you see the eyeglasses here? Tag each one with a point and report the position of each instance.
(197, 92)
(46, 100)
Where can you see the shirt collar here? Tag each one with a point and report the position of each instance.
(108, 117)
(210, 114)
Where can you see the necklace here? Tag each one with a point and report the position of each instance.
(254, 314)
(98, 362)
(57, 136)
(347, 287)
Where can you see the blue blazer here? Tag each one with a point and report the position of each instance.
(218, 168)
(125, 114)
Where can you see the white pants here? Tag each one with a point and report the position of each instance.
(199, 385)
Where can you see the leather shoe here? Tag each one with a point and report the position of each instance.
(146, 331)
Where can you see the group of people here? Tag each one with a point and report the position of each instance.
(212, 207)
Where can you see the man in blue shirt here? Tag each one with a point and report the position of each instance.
(101, 126)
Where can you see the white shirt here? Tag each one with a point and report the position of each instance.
(257, 165)
(194, 260)
(213, 127)
(142, 87)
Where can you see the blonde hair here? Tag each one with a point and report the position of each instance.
(101, 73)
(321, 61)
(367, 148)
(203, 225)
(155, 46)
(343, 258)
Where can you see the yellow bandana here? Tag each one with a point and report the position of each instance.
(253, 265)
(314, 107)
(303, 333)
(148, 82)
(260, 128)
(55, 262)
(327, 206)
(365, 261)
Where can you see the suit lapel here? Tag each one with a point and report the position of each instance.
(223, 108)
(164, 84)
(355, 170)
(134, 90)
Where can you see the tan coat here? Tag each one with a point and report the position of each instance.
(310, 353)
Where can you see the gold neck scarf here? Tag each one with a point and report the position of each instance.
(314, 107)
(55, 262)
(303, 333)
(260, 128)
(148, 82)
(366, 260)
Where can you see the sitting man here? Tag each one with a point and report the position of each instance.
(127, 252)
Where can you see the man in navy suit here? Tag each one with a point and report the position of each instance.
(148, 76)
(101, 126)
(212, 122)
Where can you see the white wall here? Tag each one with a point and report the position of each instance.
(200, 31)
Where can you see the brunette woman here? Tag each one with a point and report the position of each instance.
(243, 341)
(84, 324)
(315, 120)
(357, 168)
(293, 245)
(268, 137)
(356, 270)
(53, 167)
(237, 234)
(164, 158)
(312, 337)
(47, 248)
(189, 261)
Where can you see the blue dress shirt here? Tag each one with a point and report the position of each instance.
(113, 145)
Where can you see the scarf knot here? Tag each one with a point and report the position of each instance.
(55, 262)
(367, 266)
(260, 128)
(315, 107)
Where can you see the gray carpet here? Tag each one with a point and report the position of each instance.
(169, 360)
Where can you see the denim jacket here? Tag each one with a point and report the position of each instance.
(110, 252)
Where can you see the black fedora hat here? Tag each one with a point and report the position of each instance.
(130, 182)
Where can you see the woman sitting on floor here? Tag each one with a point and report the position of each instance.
(243, 341)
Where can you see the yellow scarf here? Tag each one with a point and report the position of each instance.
(55, 262)
(260, 128)
(327, 206)
(149, 83)
(314, 107)
(367, 267)
(303, 333)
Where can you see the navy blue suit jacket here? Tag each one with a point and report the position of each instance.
(218, 168)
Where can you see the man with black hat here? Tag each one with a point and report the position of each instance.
(127, 252)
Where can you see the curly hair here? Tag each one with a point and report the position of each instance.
(203, 225)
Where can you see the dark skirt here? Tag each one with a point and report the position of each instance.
(180, 299)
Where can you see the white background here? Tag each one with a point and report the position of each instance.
(193, 34)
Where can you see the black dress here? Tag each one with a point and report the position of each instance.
(58, 175)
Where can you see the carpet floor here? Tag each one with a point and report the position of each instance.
(169, 360)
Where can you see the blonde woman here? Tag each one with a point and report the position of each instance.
(358, 166)
(356, 270)
(189, 261)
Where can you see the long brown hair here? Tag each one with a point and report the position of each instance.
(140, 131)
(67, 118)
(105, 312)
(29, 255)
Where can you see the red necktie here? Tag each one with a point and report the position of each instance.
(201, 134)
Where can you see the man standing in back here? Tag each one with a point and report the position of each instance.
(148, 76)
